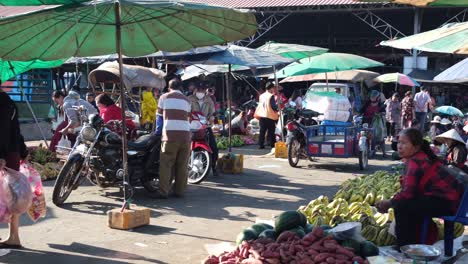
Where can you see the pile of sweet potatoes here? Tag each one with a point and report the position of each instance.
(314, 248)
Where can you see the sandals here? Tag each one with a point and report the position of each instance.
(8, 246)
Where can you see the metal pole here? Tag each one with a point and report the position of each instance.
(118, 32)
(229, 105)
(20, 85)
(416, 29)
(279, 104)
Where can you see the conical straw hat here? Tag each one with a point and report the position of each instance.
(445, 121)
(451, 134)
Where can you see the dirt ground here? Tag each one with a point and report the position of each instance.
(181, 229)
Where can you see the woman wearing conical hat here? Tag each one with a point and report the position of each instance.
(457, 152)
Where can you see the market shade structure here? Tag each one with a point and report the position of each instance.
(353, 76)
(423, 2)
(88, 29)
(293, 51)
(327, 62)
(39, 2)
(133, 27)
(10, 69)
(451, 38)
(456, 73)
(397, 78)
(449, 110)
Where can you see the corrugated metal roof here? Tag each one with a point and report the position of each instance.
(6, 11)
(274, 3)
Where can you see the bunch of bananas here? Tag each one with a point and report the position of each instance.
(378, 235)
(370, 188)
(318, 211)
(458, 229)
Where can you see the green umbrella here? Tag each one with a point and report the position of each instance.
(10, 69)
(451, 38)
(293, 51)
(132, 27)
(89, 29)
(327, 62)
(39, 2)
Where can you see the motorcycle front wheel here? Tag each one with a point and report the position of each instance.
(64, 183)
(294, 152)
(200, 166)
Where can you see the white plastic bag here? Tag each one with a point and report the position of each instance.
(64, 144)
(38, 207)
(17, 191)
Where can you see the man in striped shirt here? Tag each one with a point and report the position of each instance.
(172, 122)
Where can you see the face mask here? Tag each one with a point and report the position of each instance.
(200, 95)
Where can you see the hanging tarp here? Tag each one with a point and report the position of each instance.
(135, 76)
(9, 69)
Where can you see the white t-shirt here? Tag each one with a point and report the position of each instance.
(421, 101)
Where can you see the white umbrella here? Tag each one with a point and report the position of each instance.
(456, 73)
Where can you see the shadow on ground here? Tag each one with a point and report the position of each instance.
(91, 254)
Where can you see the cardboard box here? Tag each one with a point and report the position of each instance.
(129, 218)
(232, 166)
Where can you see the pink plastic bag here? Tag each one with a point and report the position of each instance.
(38, 205)
(17, 191)
(4, 212)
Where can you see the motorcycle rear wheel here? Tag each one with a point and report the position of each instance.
(294, 152)
(202, 161)
(64, 183)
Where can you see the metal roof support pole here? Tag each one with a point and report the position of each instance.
(460, 17)
(416, 30)
(380, 25)
(266, 25)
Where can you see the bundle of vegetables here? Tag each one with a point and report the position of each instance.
(42, 155)
(223, 142)
(370, 188)
(248, 140)
(48, 171)
(289, 247)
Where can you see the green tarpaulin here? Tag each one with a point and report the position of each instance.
(39, 2)
(9, 69)
(89, 29)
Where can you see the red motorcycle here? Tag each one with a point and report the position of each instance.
(200, 158)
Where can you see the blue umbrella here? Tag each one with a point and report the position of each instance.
(449, 110)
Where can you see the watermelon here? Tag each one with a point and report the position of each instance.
(368, 249)
(299, 231)
(289, 220)
(268, 233)
(308, 228)
(246, 234)
(352, 244)
(260, 227)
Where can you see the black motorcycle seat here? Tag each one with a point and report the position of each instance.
(142, 143)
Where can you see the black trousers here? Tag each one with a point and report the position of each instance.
(410, 215)
(267, 124)
(213, 146)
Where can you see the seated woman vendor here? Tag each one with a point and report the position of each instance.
(426, 190)
(456, 148)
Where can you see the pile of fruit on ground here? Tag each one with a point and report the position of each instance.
(236, 141)
(293, 241)
(45, 162)
(355, 202)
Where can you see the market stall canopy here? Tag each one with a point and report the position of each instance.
(92, 59)
(352, 76)
(397, 78)
(449, 110)
(327, 62)
(423, 2)
(39, 2)
(293, 51)
(135, 76)
(88, 29)
(192, 56)
(10, 69)
(456, 73)
(451, 38)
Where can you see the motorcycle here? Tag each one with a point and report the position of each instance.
(296, 137)
(97, 155)
(200, 158)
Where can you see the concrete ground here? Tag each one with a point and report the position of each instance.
(181, 229)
